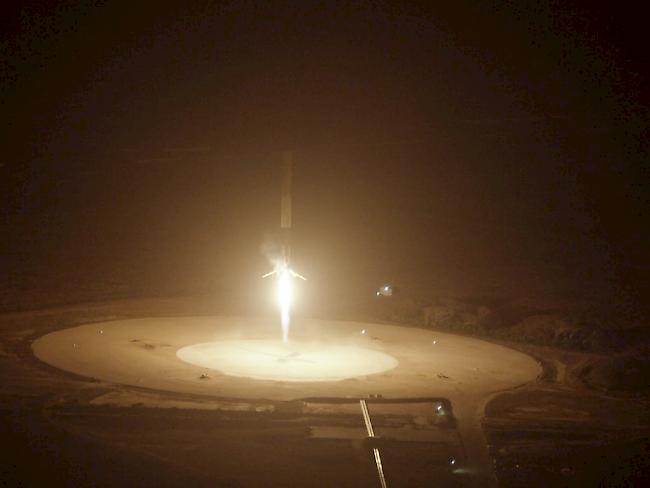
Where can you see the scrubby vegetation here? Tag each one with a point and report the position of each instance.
(620, 346)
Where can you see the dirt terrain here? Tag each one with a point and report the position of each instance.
(559, 431)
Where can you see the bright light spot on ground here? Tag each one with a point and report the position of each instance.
(279, 361)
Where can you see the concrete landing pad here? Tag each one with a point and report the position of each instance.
(242, 357)
(293, 361)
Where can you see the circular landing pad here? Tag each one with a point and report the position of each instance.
(293, 361)
(219, 357)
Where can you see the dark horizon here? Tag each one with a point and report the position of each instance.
(469, 150)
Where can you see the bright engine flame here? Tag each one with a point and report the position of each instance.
(285, 294)
(285, 297)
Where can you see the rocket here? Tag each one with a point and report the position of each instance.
(285, 205)
(281, 269)
(285, 216)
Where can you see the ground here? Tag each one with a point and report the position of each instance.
(78, 430)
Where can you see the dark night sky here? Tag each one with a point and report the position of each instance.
(479, 148)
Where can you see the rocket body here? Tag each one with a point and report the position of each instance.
(285, 202)
(285, 205)
(281, 267)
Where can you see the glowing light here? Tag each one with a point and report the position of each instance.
(285, 294)
(385, 290)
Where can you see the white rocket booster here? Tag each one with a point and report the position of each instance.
(285, 216)
(285, 205)
(285, 202)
